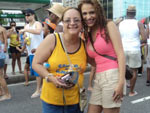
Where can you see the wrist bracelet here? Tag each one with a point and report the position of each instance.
(47, 77)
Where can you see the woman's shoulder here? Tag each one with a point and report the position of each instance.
(49, 41)
(111, 23)
(111, 26)
(50, 37)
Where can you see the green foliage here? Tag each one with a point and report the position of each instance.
(2, 20)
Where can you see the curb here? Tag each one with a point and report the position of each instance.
(20, 78)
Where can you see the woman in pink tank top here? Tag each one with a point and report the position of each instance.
(105, 47)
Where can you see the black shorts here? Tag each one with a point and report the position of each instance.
(14, 50)
(27, 60)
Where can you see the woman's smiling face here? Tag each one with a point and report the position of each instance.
(88, 14)
(72, 21)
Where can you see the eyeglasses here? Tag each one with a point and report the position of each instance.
(28, 14)
(68, 21)
(13, 25)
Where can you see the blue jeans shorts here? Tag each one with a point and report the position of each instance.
(33, 73)
(49, 108)
(2, 63)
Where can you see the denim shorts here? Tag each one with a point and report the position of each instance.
(49, 108)
(2, 63)
(33, 73)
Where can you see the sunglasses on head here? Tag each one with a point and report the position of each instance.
(28, 14)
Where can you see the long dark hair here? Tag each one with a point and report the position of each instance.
(101, 20)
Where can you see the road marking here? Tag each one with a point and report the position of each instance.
(10, 85)
(140, 100)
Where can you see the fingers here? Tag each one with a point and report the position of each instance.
(59, 84)
(63, 85)
(117, 97)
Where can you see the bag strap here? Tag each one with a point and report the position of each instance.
(106, 56)
(69, 60)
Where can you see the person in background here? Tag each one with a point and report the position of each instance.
(59, 97)
(148, 55)
(143, 51)
(117, 21)
(5, 95)
(6, 62)
(103, 38)
(27, 64)
(55, 13)
(14, 42)
(130, 30)
(34, 33)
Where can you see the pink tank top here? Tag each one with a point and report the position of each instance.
(102, 47)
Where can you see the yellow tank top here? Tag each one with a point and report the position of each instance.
(13, 40)
(58, 65)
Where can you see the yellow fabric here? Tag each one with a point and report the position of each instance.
(13, 40)
(142, 48)
(58, 65)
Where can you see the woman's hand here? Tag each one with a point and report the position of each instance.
(118, 93)
(33, 51)
(21, 31)
(57, 82)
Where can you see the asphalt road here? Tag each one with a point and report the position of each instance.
(22, 103)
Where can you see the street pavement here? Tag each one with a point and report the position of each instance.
(18, 77)
(22, 103)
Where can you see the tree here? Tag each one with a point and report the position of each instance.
(2, 20)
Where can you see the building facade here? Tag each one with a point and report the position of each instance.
(117, 8)
(56, 2)
(71, 3)
(142, 8)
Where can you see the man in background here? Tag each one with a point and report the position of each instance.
(130, 30)
(5, 95)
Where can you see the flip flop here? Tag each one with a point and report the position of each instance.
(34, 95)
(131, 95)
(3, 98)
(26, 84)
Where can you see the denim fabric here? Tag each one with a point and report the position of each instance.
(49, 108)
(2, 63)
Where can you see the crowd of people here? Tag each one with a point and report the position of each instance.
(107, 46)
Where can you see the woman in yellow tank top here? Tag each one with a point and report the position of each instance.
(14, 42)
(55, 97)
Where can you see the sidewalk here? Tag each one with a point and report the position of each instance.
(20, 77)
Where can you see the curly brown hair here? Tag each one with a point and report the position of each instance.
(101, 18)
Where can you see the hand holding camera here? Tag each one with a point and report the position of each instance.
(70, 79)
